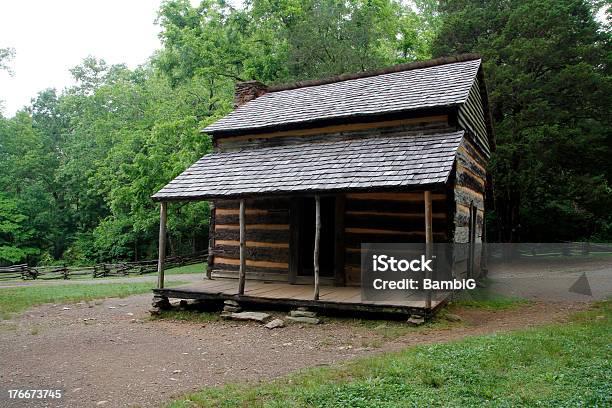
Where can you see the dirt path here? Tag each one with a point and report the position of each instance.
(111, 354)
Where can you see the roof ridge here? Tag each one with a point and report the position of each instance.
(381, 71)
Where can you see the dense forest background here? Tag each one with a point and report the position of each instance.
(77, 166)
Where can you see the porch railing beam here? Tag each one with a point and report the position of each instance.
(242, 270)
(161, 260)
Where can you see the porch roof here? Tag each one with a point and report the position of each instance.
(373, 163)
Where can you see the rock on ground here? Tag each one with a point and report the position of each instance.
(253, 316)
(302, 313)
(275, 324)
(416, 320)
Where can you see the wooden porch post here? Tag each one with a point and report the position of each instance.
(316, 245)
(163, 214)
(242, 271)
(211, 241)
(428, 240)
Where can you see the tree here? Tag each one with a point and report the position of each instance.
(24, 175)
(281, 40)
(6, 55)
(78, 167)
(548, 74)
(14, 233)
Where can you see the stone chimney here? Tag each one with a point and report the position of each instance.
(247, 91)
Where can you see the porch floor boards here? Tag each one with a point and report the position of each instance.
(346, 298)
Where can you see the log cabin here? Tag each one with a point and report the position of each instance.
(302, 174)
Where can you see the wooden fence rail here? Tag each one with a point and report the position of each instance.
(25, 272)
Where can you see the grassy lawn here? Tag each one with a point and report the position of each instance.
(18, 299)
(195, 268)
(558, 365)
(483, 298)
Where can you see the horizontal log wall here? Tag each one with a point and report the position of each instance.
(388, 217)
(469, 189)
(403, 127)
(267, 238)
(470, 179)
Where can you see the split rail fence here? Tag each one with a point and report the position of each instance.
(102, 270)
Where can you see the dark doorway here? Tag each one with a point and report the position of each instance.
(306, 236)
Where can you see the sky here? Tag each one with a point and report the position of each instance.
(50, 37)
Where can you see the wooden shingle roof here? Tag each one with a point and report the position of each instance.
(429, 84)
(371, 163)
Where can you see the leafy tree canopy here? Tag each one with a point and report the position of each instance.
(79, 167)
(547, 66)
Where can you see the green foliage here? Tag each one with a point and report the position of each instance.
(6, 55)
(14, 233)
(82, 166)
(78, 168)
(548, 75)
(561, 365)
(26, 214)
(285, 40)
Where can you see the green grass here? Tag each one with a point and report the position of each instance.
(559, 365)
(483, 298)
(18, 299)
(195, 268)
